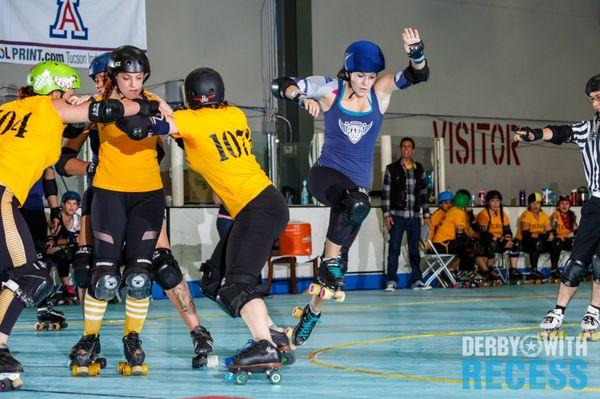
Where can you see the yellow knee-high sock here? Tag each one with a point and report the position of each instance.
(135, 314)
(93, 313)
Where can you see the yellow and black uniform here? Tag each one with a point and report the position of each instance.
(565, 225)
(453, 236)
(127, 207)
(436, 221)
(492, 228)
(535, 238)
(218, 145)
(30, 141)
(538, 223)
(456, 220)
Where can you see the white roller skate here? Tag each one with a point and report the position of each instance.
(589, 325)
(551, 325)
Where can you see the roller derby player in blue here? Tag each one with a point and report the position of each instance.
(353, 107)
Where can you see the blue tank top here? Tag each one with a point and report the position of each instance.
(35, 198)
(350, 139)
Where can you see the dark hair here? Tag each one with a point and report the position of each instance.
(26, 91)
(407, 139)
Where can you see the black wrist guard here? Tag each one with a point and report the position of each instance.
(538, 134)
(73, 131)
(416, 52)
(148, 107)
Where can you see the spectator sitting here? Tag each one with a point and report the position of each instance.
(496, 237)
(564, 223)
(535, 233)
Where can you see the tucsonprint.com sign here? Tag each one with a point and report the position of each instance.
(69, 31)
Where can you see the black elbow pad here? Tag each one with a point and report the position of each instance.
(414, 76)
(280, 85)
(66, 154)
(50, 187)
(105, 111)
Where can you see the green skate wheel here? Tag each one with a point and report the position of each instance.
(240, 378)
(274, 377)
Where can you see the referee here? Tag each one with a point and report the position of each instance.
(585, 248)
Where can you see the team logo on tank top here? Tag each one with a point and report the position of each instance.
(354, 130)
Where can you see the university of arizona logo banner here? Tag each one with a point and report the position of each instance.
(69, 31)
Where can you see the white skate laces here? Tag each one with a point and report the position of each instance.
(552, 320)
(591, 319)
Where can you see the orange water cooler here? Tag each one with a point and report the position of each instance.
(294, 241)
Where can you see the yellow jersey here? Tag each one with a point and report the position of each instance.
(124, 164)
(562, 230)
(435, 221)
(537, 224)
(218, 145)
(30, 141)
(496, 226)
(456, 220)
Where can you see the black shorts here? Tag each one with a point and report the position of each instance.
(252, 235)
(329, 187)
(134, 218)
(38, 227)
(16, 244)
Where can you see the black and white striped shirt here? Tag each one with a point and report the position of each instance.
(587, 136)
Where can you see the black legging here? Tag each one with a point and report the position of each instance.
(535, 247)
(134, 218)
(329, 187)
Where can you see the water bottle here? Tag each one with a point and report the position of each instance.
(304, 194)
(522, 198)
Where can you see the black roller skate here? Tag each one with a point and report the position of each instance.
(515, 277)
(203, 345)
(308, 320)
(50, 318)
(132, 347)
(330, 281)
(84, 358)
(10, 371)
(535, 277)
(555, 276)
(283, 347)
(255, 357)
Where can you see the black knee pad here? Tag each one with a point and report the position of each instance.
(596, 268)
(82, 263)
(31, 282)
(61, 256)
(105, 279)
(137, 278)
(212, 278)
(573, 273)
(357, 205)
(165, 269)
(234, 295)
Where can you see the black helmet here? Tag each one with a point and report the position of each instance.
(128, 59)
(493, 194)
(204, 86)
(592, 85)
(534, 197)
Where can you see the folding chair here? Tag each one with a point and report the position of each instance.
(436, 263)
(500, 264)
